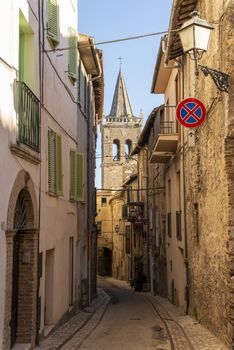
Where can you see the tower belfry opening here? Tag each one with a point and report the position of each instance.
(120, 132)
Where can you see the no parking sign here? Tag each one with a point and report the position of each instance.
(191, 112)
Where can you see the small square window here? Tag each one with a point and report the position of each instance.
(104, 202)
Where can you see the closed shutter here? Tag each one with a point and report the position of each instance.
(72, 175)
(59, 175)
(51, 161)
(53, 20)
(72, 66)
(80, 176)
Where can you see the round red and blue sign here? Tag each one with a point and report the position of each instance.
(191, 112)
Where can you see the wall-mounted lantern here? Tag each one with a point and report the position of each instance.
(117, 228)
(194, 36)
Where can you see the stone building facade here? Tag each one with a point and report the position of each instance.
(120, 130)
(207, 158)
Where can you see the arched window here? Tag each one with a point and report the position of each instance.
(116, 150)
(128, 148)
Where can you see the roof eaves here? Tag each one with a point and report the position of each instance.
(157, 65)
(181, 11)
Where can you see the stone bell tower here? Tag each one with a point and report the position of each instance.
(120, 132)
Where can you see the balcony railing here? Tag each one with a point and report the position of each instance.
(29, 117)
(168, 127)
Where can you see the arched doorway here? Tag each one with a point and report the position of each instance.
(22, 261)
(104, 262)
(23, 220)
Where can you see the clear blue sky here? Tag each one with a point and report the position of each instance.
(107, 20)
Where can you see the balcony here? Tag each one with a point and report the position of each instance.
(166, 142)
(132, 210)
(29, 117)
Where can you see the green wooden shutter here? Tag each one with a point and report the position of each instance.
(80, 176)
(72, 66)
(59, 175)
(53, 20)
(72, 175)
(51, 161)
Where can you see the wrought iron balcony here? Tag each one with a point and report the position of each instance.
(28, 117)
(132, 210)
(166, 142)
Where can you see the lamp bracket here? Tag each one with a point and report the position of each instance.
(220, 79)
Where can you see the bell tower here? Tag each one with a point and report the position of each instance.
(120, 132)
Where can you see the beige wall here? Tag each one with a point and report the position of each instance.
(9, 15)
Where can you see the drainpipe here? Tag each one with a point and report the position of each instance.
(88, 160)
(38, 303)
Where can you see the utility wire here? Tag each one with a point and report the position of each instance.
(113, 41)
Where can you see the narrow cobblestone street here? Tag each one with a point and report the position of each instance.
(121, 319)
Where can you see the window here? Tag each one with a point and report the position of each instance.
(127, 237)
(53, 21)
(55, 177)
(116, 150)
(72, 52)
(99, 228)
(178, 225)
(76, 176)
(196, 221)
(128, 147)
(27, 54)
(103, 202)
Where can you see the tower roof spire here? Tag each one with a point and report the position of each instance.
(121, 106)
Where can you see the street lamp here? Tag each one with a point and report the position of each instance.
(194, 36)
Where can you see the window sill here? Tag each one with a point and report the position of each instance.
(25, 152)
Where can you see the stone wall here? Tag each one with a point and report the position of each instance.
(209, 178)
(112, 170)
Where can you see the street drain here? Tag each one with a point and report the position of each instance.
(158, 332)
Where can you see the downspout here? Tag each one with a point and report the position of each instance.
(38, 303)
(88, 195)
(147, 203)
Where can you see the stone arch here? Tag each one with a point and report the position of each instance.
(22, 239)
(23, 182)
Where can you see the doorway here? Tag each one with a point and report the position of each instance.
(15, 281)
(49, 285)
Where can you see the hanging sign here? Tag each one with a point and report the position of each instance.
(139, 220)
(191, 112)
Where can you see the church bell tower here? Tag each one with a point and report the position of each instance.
(120, 132)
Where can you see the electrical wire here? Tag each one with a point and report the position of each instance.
(114, 40)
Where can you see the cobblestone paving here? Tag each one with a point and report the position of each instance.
(199, 336)
(83, 323)
(186, 333)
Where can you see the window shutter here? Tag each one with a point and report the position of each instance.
(80, 176)
(51, 163)
(53, 20)
(72, 175)
(72, 66)
(59, 175)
